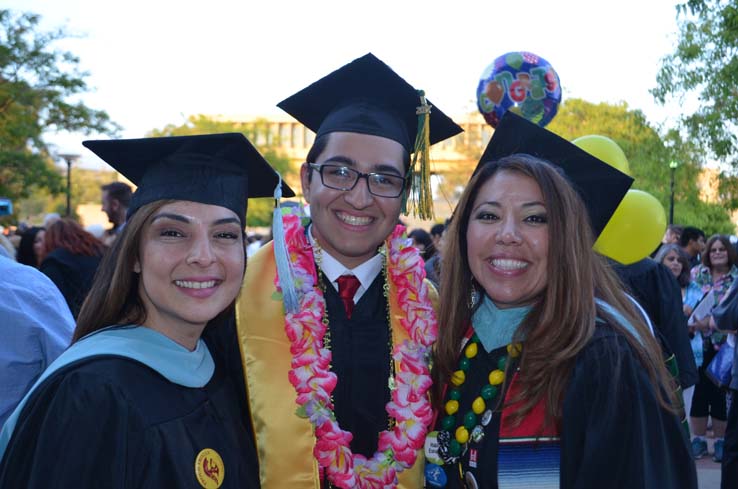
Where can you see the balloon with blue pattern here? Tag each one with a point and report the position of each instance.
(522, 82)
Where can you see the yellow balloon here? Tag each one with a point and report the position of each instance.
(605, 149)
(634, 230)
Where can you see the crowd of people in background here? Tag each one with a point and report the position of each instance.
(705, 272)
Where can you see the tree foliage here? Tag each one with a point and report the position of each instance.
(705, 63)
(649, 155)
(258, 132)
(85, 190)
(38, 85)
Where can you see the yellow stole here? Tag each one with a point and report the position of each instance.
(284, 441)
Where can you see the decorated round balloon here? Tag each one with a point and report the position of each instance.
(522, 82)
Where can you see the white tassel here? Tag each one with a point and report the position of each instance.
(281, 256)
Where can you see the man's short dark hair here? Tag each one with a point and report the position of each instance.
(690, 233)
(119, 191)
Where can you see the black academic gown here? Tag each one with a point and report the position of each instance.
(361, 360)
(613, 434)
(657, 291)
(72, 274)
(111, 422)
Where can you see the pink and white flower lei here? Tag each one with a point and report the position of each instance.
(314, 382)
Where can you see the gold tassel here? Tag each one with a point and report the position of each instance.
(420, 199)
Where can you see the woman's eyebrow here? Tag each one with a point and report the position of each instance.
(174, 217)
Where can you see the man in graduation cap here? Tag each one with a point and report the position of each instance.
(337, 317)
(143, 397)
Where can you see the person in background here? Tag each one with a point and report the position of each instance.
(436, 231)
(671, 236)
(31, 246)
(70, 258)
(725, 318)
(36, 327)
(143, 399)
(116, 199)
(673, 257)
(423, 242)
(545, 373)
(656, 290)
(433, 265)
(692, 241)
(715, 275)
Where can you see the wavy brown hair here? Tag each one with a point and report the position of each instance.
(114, 298)
(729, 248)
(562, 320)
(68, 234)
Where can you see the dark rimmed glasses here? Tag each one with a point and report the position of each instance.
(343, 178)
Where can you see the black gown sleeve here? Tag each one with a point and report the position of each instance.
(674, 325)
(614, 432)
(75, 431)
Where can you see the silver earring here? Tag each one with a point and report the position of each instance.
(473, 296)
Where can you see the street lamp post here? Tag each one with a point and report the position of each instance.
(69, 158)
(673, 166)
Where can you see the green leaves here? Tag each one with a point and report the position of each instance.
(649, 155)
(36, 82)
(704, 66)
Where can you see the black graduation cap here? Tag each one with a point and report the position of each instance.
(218, 169)
(600, 186)
(367, 97)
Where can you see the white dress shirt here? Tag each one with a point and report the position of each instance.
(332, 268)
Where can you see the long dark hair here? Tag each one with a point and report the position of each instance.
(114, 298)
(26, 255)
(562, 321)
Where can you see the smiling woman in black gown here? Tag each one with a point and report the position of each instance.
(546, 376)
(143, 398)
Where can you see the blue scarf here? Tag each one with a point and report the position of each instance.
(496, 327)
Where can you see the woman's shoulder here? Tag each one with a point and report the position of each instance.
(76, 391)
(606, 351)
(120, 383)
(606, 336)
(97, 375)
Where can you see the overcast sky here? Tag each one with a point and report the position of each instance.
(156, 62)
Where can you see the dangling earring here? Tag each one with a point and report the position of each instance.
(473, 296)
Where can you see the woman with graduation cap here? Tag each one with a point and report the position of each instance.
(142, 397)
(545, 374)
(335, 351)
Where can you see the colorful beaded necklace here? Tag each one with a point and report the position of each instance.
(454, 436)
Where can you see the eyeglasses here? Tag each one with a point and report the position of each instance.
(343, 178)
(718, 250)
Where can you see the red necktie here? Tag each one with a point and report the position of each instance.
(347, 287)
